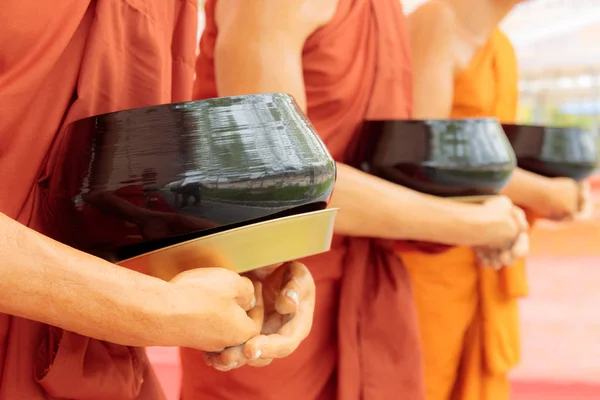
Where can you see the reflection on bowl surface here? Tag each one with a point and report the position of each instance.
(554, 151)
(138, 180)
(469, 157)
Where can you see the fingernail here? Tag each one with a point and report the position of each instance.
(256, 355)
(292, 295)
(253, 302)
(225, 368)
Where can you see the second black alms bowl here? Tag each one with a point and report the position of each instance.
(554, 151)
(135, 181)
(449, 158)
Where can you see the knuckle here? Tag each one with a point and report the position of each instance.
(247, 286)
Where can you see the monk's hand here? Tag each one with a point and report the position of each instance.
(505, 234)
(585, 202)
(571, 200)
(289, 301)
(565, 199)
(211, 309)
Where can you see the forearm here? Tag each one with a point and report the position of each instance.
(45, 281)
(369, 206)
(530, 191)
(373, 207)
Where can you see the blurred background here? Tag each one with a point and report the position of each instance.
(558, 46)
(557, 43)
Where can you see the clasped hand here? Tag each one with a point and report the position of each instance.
(285, 302)
(510, 234)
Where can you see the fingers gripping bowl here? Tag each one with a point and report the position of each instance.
(242, 181)
(448, 158)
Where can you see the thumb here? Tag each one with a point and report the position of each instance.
(245, 296)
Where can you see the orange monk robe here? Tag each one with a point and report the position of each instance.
(62, 61)
(468, 314)
(364, 343)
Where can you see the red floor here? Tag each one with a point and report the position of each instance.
(560, 326)
(560, 321)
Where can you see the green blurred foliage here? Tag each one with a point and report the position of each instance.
(553, 116)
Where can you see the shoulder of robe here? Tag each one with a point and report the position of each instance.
(504, 43)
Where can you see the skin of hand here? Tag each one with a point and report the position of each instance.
(559, 199)
(213, 308)
(288, 301)
(586, 202)
(504, 252)
(46, 281)
(569, 200)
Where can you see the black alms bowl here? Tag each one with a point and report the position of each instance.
(554, 151)
(134, 181)
(466, 157)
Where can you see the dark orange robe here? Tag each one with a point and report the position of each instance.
(468, 314)
(62, 61)
(364, 343)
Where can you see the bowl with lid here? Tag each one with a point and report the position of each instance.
(139, 181)
(459, 158)
(553, 151)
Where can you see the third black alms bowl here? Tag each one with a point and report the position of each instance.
(135, 181)
(554, 151)
(448, 158)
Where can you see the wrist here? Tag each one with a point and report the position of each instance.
(475, 226)
(556, 198)
(543, 198)
(153, 308)
(458, 224)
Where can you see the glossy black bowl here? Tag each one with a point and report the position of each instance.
(448, 158)
(554, 151)
(139, 180)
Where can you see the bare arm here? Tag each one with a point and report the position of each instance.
(370, 207)
(434, 44)
(433, 60)
(43, 280)
(546, 197)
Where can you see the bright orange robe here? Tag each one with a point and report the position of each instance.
(364, 344)
(61, 61)
(468, 314)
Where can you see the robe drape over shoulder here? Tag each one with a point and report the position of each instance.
(62, 61)
(364, 343)
(468, 314)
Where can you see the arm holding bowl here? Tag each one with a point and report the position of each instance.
(439, 53)
(271, 61)
(46, 281)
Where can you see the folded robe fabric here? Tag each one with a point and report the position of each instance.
(364, 343)
(62, 61)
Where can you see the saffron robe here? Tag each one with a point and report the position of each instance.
(364, 344)
(467, 314)
(62, 61)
